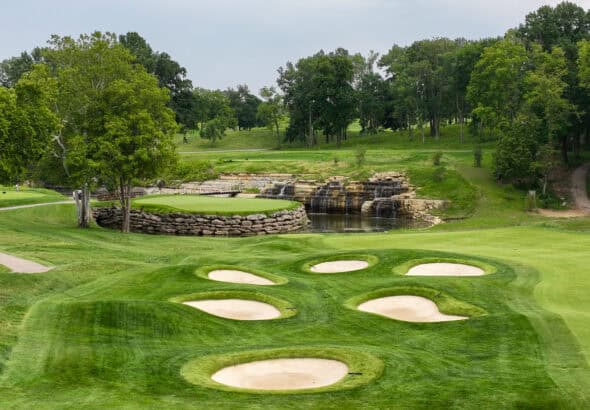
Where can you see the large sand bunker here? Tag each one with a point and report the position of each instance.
(237, 276)
(19, 265)
(339, 266)
(445, 269)
(283, 374)
(408, 309)
(238, 309)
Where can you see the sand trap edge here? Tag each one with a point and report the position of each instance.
(286, 308)
(446, 303)
(199, 370)
(203, 273)
(372, 260)
(405, 267)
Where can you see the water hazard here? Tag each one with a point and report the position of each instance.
(339, 223)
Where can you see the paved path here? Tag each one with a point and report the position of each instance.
(225, 150)
(10, 208)
(19, 265)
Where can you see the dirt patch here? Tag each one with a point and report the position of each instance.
(282, 374)
(408, 309)
(445, 269)
(339, 266)
(237, 276)
(19, 265)
(237, 309)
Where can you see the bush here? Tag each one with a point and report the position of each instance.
(439, 174)
(477, 156)
(436, 157)
(359, 156)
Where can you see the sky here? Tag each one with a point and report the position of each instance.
(223, 43)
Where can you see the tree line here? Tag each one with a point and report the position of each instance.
(104, 109)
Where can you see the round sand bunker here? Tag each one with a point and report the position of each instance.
(283, 374)
(238, 309)
(445, 269)
(339, 266)
(408, 309)
(237, 276)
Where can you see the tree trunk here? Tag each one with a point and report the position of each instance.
(82, 198)
(432, 128)
(461, 130)
(422, 132)
(278, 135)
(124, 198)
(564, 148)
(410, 131)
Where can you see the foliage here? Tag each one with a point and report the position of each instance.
(271, 112)
(436, 158)
(245, 106)
(360, 153)
(439, 174)
(27, 123)
(477, 156)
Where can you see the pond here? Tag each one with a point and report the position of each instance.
(341, 223)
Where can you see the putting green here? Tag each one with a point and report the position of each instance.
(209, 205)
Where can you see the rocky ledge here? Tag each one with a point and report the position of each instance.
(205, 225)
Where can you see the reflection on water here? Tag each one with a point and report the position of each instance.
(355, 223)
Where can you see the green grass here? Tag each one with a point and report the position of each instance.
(100, 331)
(209, 205)
(27, 196)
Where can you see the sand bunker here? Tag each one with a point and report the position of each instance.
(283, 374)
(237, 276)
(238, 309)
(339, 266)
(408, 309)
(19, 265)
(445, 269)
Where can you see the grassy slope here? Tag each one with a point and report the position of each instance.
(209, 205)
(26, 196)
(101, 332)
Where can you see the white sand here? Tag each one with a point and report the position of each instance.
(408, 309)
(19, 265)
(237, 276)
(283, 374)
(238, 309)
(445, 269)
(339, 266)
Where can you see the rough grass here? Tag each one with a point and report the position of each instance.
(209, 205)
(99, 331)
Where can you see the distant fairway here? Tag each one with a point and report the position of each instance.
(10, 197)
(208, 205)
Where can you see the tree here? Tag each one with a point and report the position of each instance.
(12, 69)
(271, 112)
(496, 86)
(319, 95)
(170, 74)
(27, 122)
(245, 106)
(545, 96)
(116, 128)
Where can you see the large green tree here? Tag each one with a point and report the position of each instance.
(271, 111)
(27, 123)
(116, 126)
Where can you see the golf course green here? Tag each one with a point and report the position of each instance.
(210, 205)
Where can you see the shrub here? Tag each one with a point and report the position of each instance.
(359, 156)
(436, 157)
(477, 156)
(439, 174)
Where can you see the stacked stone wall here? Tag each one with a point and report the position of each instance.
(204, 225)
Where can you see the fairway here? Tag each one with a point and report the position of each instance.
(209, 205)
(11, 197)
(119, 319)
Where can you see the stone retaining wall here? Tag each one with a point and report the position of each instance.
(207, 225)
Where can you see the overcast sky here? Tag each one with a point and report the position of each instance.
(223, 43)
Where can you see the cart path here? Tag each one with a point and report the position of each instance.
(10, 208)
(19, 265)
